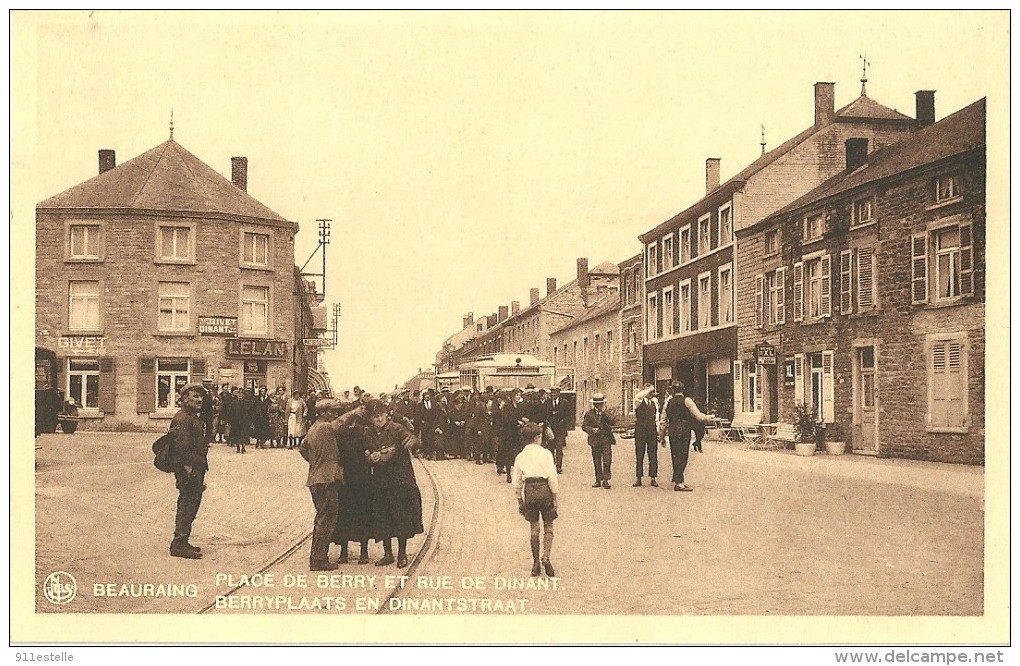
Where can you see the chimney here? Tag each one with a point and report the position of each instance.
(856, 153)
(550, 286)
(712, 174)
(925, 113)
(239, 172)
(502, 314)
(515, 308)
(535, 298)
(582, 273)
(469, 319)
(107, 160)
(825, 103)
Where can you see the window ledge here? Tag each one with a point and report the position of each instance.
(870, 312)
(86, 413)
(257, 267)
(163, 413)
(938, 429)
(174, 262)
(174, 334)
(943, 204)
(90, 332)
(815, 322)
(83, 260)
(811, 241)
(865, 225)
(948, 302)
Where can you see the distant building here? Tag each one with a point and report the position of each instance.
(159, 272)
(867, 296)
(590, 346)
(632, 290)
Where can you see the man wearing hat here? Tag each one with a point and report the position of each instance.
(558, 421)
(319, 449)
(646, 413)
(430, 422)
(190, 451)
(599, 426)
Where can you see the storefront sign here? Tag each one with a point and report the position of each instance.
(316, 342)
(789, 378)
(217, 325)
(254, 367)
(241, 348)
(766, 353)
(82, 344)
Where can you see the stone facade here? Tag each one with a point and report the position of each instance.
(887, 338)
(144, 276)
(590, 346)
(691, 300)
(632, 295)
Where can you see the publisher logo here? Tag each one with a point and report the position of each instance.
(60, 588)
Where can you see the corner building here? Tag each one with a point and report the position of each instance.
(159, 272)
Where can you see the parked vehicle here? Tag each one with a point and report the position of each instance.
(51, 409)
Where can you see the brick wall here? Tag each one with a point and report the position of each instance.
(129, 277)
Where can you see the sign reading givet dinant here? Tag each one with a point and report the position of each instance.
(217, 325)
(242, 348)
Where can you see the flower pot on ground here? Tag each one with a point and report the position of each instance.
(835, 443)
(804, 448)
(809, 429)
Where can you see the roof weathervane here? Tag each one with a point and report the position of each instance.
(864, 73)
(171, 123)
(763, 138)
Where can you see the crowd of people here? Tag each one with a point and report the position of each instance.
(359, 448)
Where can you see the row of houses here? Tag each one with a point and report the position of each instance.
(842, 270)
(161, 271)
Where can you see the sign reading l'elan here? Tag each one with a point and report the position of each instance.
(243, 348)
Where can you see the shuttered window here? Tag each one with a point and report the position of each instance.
(865, 277)
(845, 282)
(738, 393)
(942, 264)
(146, 393)
(107, 384)
(798, 291)
(947, 384)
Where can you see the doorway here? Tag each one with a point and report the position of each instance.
(865, 435)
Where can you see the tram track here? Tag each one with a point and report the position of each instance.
(423, 553)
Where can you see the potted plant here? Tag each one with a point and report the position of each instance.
(807, 426)
(835, 442)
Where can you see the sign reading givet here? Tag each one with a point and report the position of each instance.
(242, 348)
(217, 325)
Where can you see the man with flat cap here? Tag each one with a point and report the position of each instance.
(319, 448)
(599, 425)
(190, 455)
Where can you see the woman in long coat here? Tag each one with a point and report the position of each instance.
(354, 520)
(396, 499)
(296, 411)
(278, 417)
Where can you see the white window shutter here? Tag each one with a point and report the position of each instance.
(798, 378)
(759, 294)
(845, 281)
(919, 268)
(957, 385)
(798, 291)
(938, 387)
(738, 388)
(966, 260)
(826, 301)
(828, 386)
(781, 295)
(866, 277)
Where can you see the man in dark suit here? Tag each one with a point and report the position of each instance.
(557, 420)
(599, 425)
(646, 415)
(430, 422)
(191, 460)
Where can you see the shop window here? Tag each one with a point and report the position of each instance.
(172, 374)
(83, 381)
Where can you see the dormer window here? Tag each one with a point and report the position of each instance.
(863, 211)
(946, 189)
(814, 226)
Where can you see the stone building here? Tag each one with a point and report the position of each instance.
(690, 300)
(590, 344)
(632, 283)
(159, 272)
(866, 296)
(528, 330)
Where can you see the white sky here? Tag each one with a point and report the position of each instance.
(464, 158)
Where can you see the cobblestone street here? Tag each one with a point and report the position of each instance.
(764, 533)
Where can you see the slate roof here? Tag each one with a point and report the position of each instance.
(612, 304)
(166, 178)
(955, 134)
(605, 268)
